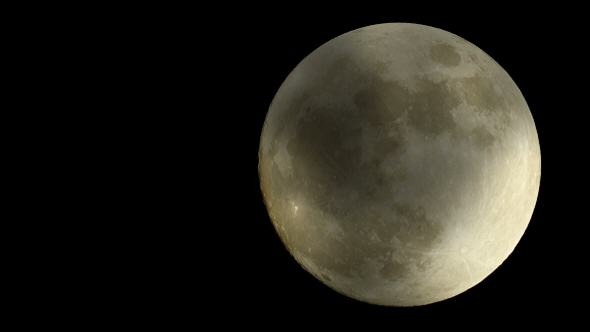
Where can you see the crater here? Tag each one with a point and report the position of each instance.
(431, 107)
(445, 54)
(479, 91)
(481, 136)
(392, 270)
(382, 102)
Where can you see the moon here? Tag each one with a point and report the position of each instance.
(399, 164)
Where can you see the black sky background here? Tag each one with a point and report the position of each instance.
(225, 241)
(144, 122)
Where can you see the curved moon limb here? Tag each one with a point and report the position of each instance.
(399, 164)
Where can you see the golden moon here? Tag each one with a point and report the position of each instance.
(399, 164)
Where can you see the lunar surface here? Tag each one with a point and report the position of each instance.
(399, 164)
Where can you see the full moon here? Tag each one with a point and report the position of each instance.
(399, 164)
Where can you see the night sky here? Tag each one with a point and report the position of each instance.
(237, 261)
